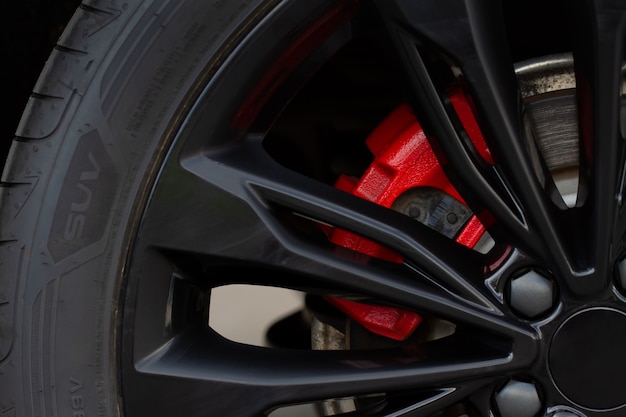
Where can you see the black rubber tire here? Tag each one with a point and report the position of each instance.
(101, 113)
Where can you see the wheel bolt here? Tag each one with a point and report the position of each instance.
(531, 294)
(414, 212)
(518, 399)
(452, 218)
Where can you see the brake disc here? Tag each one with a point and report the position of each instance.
(548, 88)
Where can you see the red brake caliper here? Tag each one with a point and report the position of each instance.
(404, 161)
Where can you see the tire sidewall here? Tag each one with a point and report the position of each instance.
(128, 73)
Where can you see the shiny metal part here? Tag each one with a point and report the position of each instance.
(548, 87)
(546, 75)
(326, 337)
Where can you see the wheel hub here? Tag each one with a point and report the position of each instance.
(587, 360)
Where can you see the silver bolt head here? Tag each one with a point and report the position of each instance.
(518, 399)
(531, 294)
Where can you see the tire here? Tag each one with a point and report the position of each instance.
(76, 176)
(171, 148)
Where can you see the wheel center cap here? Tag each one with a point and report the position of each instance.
(587, 358)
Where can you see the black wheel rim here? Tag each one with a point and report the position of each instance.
(224, 210)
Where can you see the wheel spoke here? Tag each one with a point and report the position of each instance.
(201, 366)
(438, 276)
(427, 403)
(253, 193)
(334, 275)
(477, 184)
(517, 190)
(599, 59)
(181, 358)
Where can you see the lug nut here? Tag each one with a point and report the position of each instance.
(518, 399)
(531, 294)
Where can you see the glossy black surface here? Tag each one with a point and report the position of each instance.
(586, 358)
